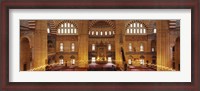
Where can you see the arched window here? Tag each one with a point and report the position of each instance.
(75, 31)
(73, 47)
(129, 61)
(110, 32)
(93, 47)
(154, 30)
(58, 31)
(48, 30)
(130, 47)
(142, 61)
(105, 32)
(73, 61)
(141, 47)
(131, 31)
(96, 33)
(93, 59)
(61, 47)
(136, 28)
(61, 61)
(144, 30)
(67, 28)
(109, 47)
(109, 59)
(61, 31)
(152, 49)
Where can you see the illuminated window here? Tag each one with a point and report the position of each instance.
(140, 30)
(110, 33)
(73, 61)
(92, 32)
(141, 47)
(131, 25)
(65, 24)
(61, 61)
(109, 59)
(152, 49)
(96, 33)
(72, 31)
(109, 47)
(68, 24)
(101, 33)
(140, 25)
(136, 28)
(142, 61)
(61, 47)
(61, 30)
(129, 61)
(48, 30)
(105, 32)
(73, 47)
(154, 30)
(131, 31)
(67, 29)
(75, 31)
(127, 30)
(93, 47)
(134, 31)
(144, 30)
(130, 47)
(93, 59)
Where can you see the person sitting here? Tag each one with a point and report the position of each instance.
(113, 68)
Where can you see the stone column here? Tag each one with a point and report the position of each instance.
(40, 44)
(83, 44)
(119, 41)
(163, 45)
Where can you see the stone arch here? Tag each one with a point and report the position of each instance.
(62, 28)
(136, 21)
(177, 54)
(131, 28)
(101, 28)
(111, 23)
(25, 54)
(67, 21)
(29, 39)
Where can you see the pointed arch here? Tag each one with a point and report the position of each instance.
(135, 28)
(67, 28)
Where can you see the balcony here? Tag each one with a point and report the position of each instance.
(141, 53)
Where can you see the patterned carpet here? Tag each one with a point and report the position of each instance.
(99, 67)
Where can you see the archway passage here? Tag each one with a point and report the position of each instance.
(25, 55)
(177, 54)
